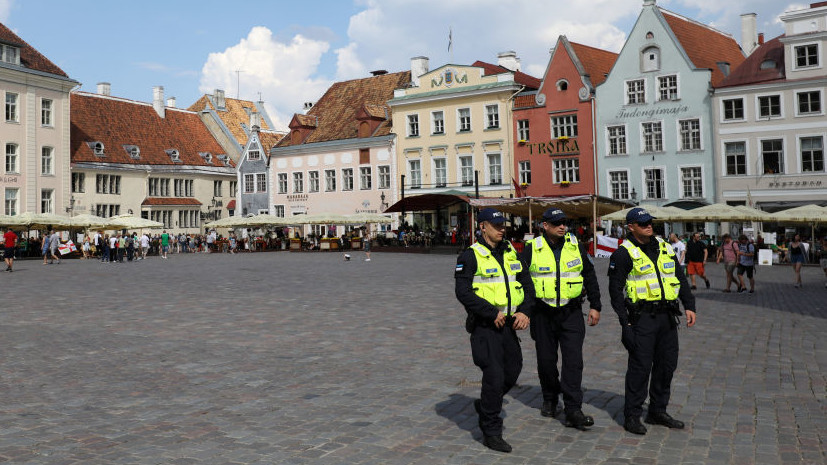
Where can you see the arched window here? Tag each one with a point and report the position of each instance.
(562, 85)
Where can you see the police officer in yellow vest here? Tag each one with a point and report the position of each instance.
(562, 273)
(645, 283)
(496, 290)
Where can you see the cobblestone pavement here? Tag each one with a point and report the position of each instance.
(303, 358)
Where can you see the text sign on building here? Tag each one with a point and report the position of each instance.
(557, 147)
(650, 112)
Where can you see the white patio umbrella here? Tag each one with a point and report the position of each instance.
(34, 220)
(228, 222)
(804, 214)
(265, 219)
(360, 218)
(661, 214)
(132, 222)
(86, 220)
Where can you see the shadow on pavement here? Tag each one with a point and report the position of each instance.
(459, 408)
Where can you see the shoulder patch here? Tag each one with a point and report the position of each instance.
(460, 266)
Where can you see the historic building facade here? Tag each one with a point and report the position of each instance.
(34, 131)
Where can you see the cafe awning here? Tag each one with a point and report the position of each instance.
(427, 202)
(577, 206)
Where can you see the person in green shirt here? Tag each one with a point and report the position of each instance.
(164, 244)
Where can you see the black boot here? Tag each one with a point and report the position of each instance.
(497, 443)
(634, 426)
(664, 419)
(578, 420)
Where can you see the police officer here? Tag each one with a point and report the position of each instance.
(645, 283)
(560, 269)
(496, 291)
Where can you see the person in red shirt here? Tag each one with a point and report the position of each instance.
(10, 242)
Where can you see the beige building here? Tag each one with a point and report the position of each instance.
(454, 132)
(34, 131)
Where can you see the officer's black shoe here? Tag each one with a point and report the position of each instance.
(634, 426)
(663, 418)
(578, 420)
(549, 408)
(497, 443)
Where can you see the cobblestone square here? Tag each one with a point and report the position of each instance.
(304, 358)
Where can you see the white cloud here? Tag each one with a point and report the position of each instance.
(5, 9)
(284, 73)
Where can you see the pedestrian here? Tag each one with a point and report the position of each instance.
(113, 248)
(728, 252)
(560, 269)
(233, 242)
(54, 243)
(105, 249)
(746, 263)
(46, 248)
(797, 257)
(9, 243)
(144, 246)
(696, 255)
(680, 250)
(823, 261)
(498, 295)
(645, 283)
(121, 247)
(86, 247)
(164, 243)
(366, 244)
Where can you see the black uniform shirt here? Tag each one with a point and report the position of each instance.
(477, 307)
(589, 276)
(620, 265)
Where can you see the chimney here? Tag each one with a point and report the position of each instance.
(749, 32)
(760, 38)
(648, 2)
(307, 106)
(419, 66)
(171, 102)
(220, 103)
(158, 100)
(104, 88)
(255, 120)
(509, 60)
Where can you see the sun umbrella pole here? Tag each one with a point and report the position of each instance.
(530, 224)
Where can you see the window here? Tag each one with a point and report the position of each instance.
(384, 177)
(78, 182)
(46, 160)
(347, 179)
(253, 155)
(563, 126)
(11, 107)
(107, 210)
(233, 188)
(652, 137)
(492, 113)
(654, 183)
(330, 180)
(415, 172)
(10, 54)
(806, 56)
(495, 168)
(772, 156)
(690, 134)
(365, 178)
(617, 140)
(111, 184)
(216, 189)
(47, 201)
(298, 182)
(98, 148)
(566, 170)
(250, 183)
(812, 154)
(282, 181)
(440, 172)
(525, 172)
(692, 182)
(466, 169)
(769, 106)
(650, 59)
(164, 187)
(11, 158)
(11, 202)
(619, 184)
(161, 216)
(313, 180)
(438, 122)
(46, 112)
(668, 87)
(733, 109)
(522, 130)
(809, 102)
(413, 125)
(464, 116)
(178, 187)
(261, 182)
(635, 92)
(736, 158)
(278, 210)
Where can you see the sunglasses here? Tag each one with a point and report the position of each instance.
(556, 223)
(644, 224)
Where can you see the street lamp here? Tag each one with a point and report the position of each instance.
(71, 208)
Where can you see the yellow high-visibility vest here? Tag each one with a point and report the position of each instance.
(642, 283)
(490, 278)
(543, 269)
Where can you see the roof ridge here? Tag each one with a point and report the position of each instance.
(698, 23)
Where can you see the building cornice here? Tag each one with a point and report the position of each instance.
(468, 91)
(327, 146)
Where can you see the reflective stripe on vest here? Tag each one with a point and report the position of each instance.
(545, 273)
(490, 280)
(650, 281)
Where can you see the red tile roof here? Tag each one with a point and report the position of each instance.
(596, 62)
(525, 101)
(154, 201)
(520, 77)
(117, 122)
(750, 71)
(236, 113)
(269, 139)
(29, 57)
(704, 45)
(334, 115)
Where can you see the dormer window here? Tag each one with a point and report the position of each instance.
(224, 159)
(10, 54)
(133, 151)
(562, 85)
(768, 64)
(97, 148)
(650, 59)
(174, 155)
(253, 155)
(207, 156)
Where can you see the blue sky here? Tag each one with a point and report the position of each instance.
(290, 52)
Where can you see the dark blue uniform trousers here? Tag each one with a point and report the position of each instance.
(497, 353)
(564, 328)
(655, 352)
